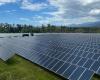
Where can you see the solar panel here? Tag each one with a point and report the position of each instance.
(72, 56)
(6, 51)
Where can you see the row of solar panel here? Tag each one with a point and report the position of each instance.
(5, 51)
(61, 68)
(75, 52)
(79, 48)
(87, 48)
(69, 62)
(54, 65)
(51, 65)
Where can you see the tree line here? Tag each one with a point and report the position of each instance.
(23, 28)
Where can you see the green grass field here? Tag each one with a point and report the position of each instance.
(17, 68)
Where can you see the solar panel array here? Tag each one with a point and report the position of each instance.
(73, 56)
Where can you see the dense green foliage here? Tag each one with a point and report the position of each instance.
(19, 28)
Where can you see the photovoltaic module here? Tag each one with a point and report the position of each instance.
(74, 56)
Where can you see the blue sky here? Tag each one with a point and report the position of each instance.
(58, 12)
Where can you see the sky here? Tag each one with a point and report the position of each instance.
(56, 12)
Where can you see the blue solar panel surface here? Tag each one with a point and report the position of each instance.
(73, 56)
(5, 50)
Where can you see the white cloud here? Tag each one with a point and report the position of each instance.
(32, 6)
(65, 21)
(2, 2)
(38, 17)
(87, 2)
(10, 11)
(60, 4)
(69, 11)
(65, 11)
(24, 19)
(95, 12)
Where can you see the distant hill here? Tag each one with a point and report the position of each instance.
(89, 24)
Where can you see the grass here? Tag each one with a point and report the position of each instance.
(96, 77)
(18, 68)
